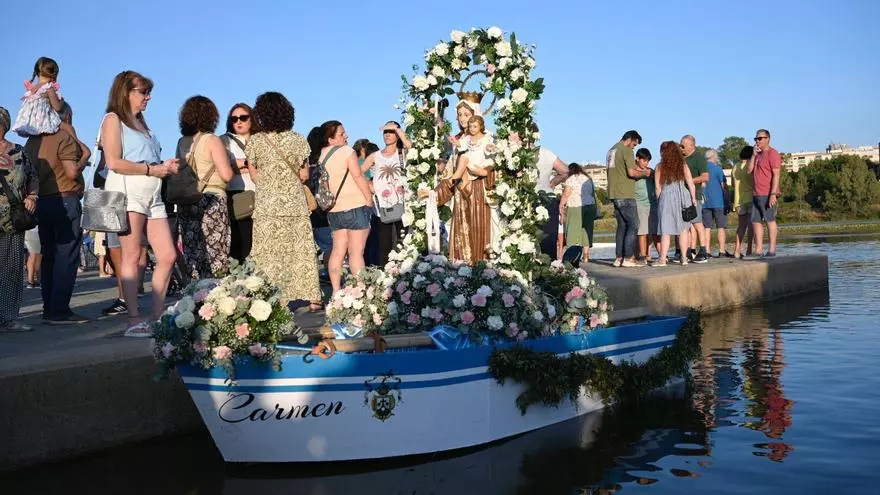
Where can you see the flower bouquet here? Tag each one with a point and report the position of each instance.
(218, 320)
(582, 301)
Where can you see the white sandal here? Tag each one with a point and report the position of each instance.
(142, 329)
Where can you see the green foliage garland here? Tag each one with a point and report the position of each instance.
(550, 379)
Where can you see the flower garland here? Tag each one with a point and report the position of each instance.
(216, 321)
(509, 65)
(549, 379)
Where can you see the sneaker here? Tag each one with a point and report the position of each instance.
(617, 263)
(691, 254)
(139, 330)
(658, 263)
(118, 307)
(15, 326)
(32, 285)
(727, 254)
(700, 258)
(68, 319)
(630, 264)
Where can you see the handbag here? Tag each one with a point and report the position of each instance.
(105, 211)
(243, 202)
(186, 187)
(22, 220)
(311, 202)
(688, 213)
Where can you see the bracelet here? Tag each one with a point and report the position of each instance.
(148, 170)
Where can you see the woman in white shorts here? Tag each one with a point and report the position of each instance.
(132, 154)
(34, 257)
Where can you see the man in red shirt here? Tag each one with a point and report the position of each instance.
(764, 167)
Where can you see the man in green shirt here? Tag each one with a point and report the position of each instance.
(622, 175)
(699, 167)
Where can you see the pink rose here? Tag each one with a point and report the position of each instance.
(433, 289)
(406, 297)
(478, 300)
(200, 296)
(207, 312)
(258, 350)
(512, 329)
(242, 330)
(508, 300)
(241, 298)
(467, 317)
(490, 68)
(595, 321)
(437, 314)
(200, 348)
(438, 269)
(413, 319)
(377, 319)
(459, 282)
(388, 293)
(358, 321)
(489, 273)
(222, 352)
(402, 286)
(573, 294)
(514, 137)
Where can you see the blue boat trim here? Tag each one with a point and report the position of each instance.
(407, 384)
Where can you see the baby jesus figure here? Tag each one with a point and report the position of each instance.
(477, 145)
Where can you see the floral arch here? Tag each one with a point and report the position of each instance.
(508, 66)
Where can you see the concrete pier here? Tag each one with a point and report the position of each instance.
(66, 391)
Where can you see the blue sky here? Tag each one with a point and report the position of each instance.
(807, 70)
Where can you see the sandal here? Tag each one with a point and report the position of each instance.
(140, 330)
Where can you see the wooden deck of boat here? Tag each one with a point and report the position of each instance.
(85, 387)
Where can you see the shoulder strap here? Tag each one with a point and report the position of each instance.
(10, 194)
(344, 177)
(237, 141)
(191, 158)
(278, 151)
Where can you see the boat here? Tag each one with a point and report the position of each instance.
(364, 405)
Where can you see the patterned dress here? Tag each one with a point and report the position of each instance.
(284, 247)
(36, 115)
(22, 178)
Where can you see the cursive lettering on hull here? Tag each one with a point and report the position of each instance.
(237, 408)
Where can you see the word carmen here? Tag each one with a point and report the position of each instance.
(236, 409)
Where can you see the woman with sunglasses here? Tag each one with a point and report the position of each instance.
(132, 154)
(239, 126)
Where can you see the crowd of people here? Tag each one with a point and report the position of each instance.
(263, 191)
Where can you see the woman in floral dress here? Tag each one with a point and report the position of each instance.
(284, 247)
(18, 172)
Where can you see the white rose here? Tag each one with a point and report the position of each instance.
(425, 153)
(407, 218)
(459, 301)
(186, 305)
(516, 224)
(507, 209)
(457, 36)
(438, 71)
(472, 43)
(392, 308)
(408, 120)
(457, 64)
(357, 304)
(374, 308)
(260, 310)
(503, 63)
(441, 49)
(536, 135)
(435, 152)
(432, 81)
(592, 303)
(503, 104)
(530, 62)
(542, 213)
(185, 320)
(495, 322)
(603, 318)
(484, 290)
(583, 282)
(412, 154)
(502, 48)
(226, 306)
(421, 224)
(505, 258)
(253, 283)
(458, 51)
(519, 95)
(494, 32)
(420, 83)
(526, 247)
(537, 315)
(517, 74)
(423, 168)
(424, 133)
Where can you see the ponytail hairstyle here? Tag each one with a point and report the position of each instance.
(328, 130)
(46, 67)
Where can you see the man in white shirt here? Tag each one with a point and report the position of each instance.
(551, 172)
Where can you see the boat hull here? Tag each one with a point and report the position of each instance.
(367, 406)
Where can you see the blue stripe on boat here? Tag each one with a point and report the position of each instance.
(293, 367)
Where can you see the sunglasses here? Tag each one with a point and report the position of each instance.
(143, 91)
(760, 138)
(389, 131)
(239, 118)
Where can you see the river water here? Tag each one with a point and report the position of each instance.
(786, 399)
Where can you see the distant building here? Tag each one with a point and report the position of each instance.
(598, 172)
(796, 161)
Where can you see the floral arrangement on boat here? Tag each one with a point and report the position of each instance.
(217, 321)
(507, 65)
(487, 304)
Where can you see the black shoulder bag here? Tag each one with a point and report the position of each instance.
(22, 220)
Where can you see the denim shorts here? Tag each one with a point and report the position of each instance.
(353, 219)
(761, 209)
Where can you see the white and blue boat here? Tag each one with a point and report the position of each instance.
(379, 405)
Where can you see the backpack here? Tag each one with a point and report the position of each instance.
(324, 196)
(185, 188)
